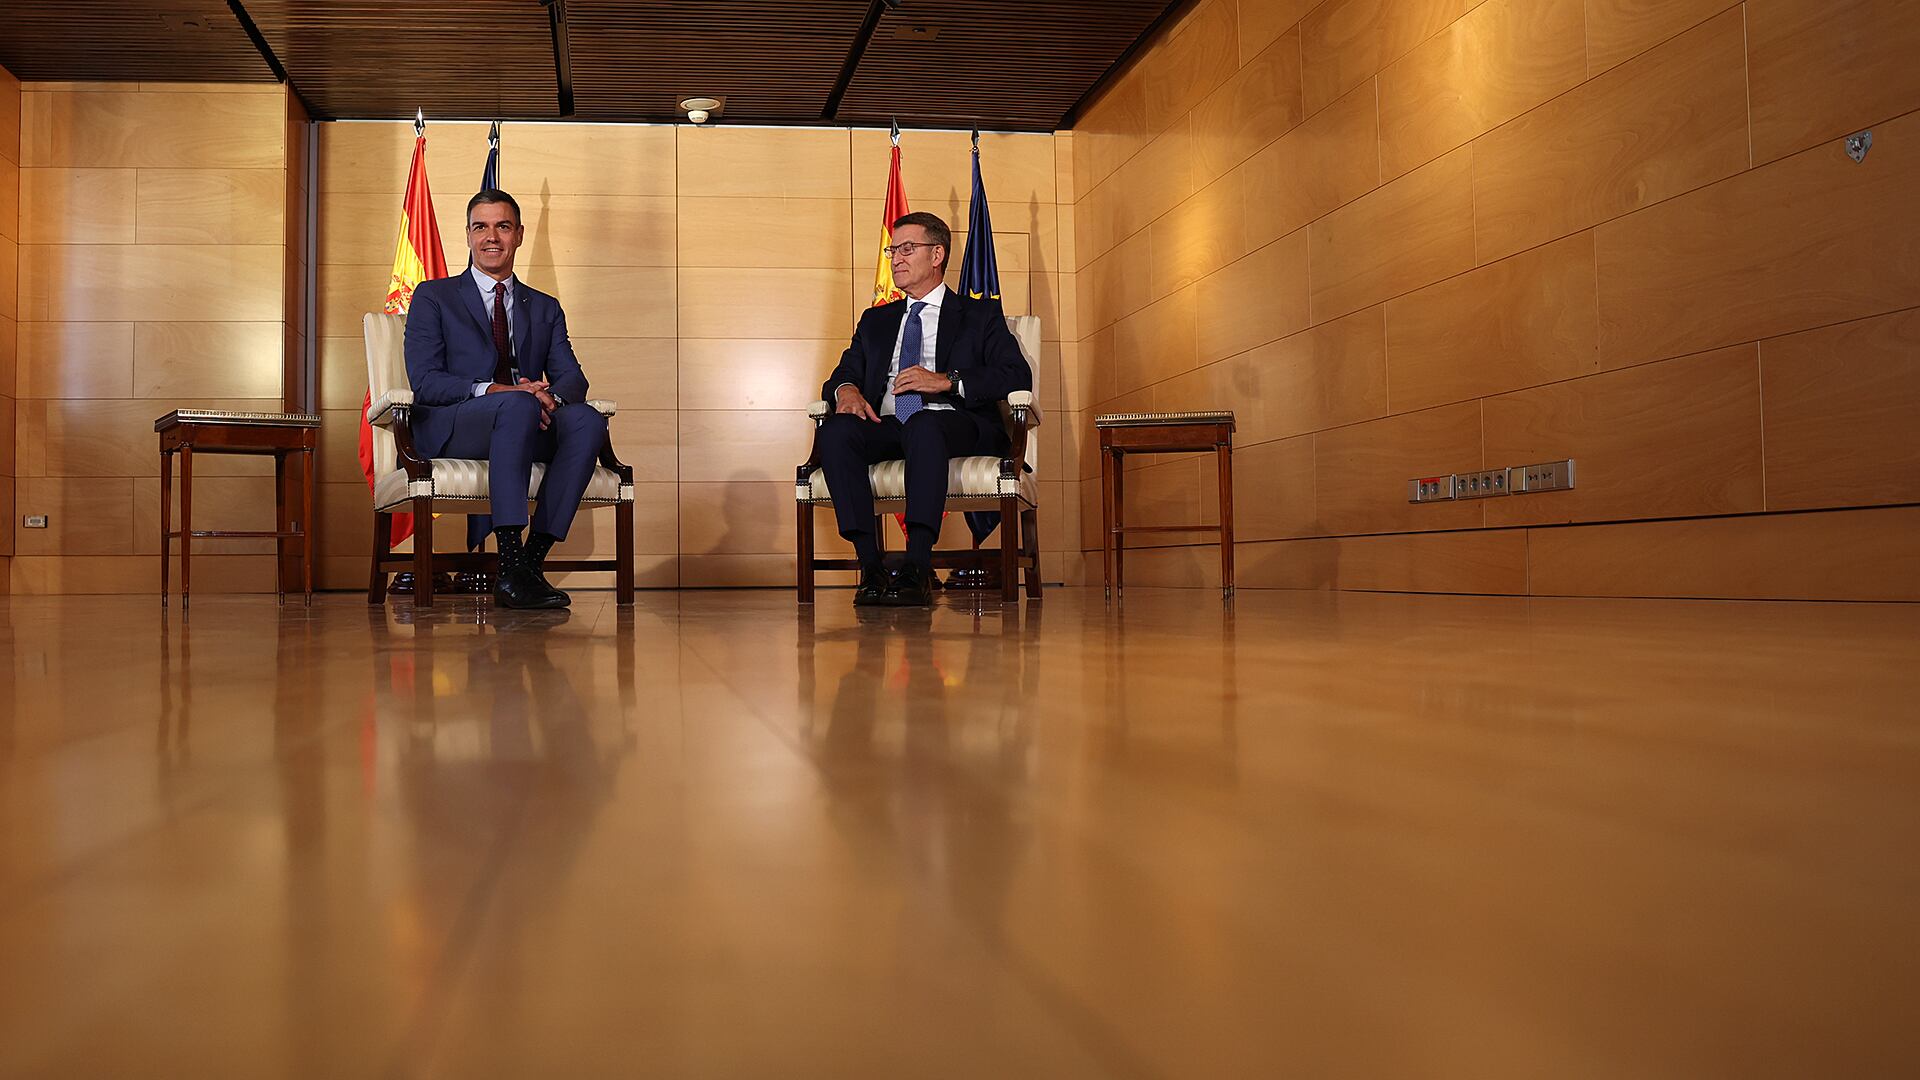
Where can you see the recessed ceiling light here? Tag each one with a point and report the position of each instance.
(699, 109)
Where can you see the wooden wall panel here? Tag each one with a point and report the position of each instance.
(767, 232)
(1257, 105)
(75, 360)
(184, 282)
(1809, 240)
(1841, 408)
(207, 359)
(1197, 237)
(569, 160)
(1674, 439)
(723, 161)
(1157, 342)
(1262, 21)
(1258, 299)
(1500, 60)
(210, 206)
(1619, 30)
(1412, 232)
(1822, 69)
(583, 230)
(1273, 490)
(161, 130)
(1523, 321)
(77, 437)
(1665, 124)
(77, 206)
(1158, 179)
(753, 373)
(1361, 471)
(1198, 54)
(787, 303)
(1841, 555)
(1345, 42)
(1485, 562)
(1325, 163)
(1330, 376)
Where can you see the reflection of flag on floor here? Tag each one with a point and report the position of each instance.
(479, 525)
(884, 290)
(980, 280)
(417, 257)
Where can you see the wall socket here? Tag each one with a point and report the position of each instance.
(34, 521)
(1519, 480)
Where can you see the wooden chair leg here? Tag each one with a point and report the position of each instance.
(376, 577)
(186, 526)
(1224, 455)
(803, 544)
(1009, 564)
(166, 520)
(1030, 540)
(422, 553)
(623, 551)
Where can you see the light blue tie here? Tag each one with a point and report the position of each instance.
(905, 405)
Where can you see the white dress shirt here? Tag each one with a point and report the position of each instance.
(486, 285)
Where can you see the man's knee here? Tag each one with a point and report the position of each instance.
(579, 421)
(517, 412)
(840, 433)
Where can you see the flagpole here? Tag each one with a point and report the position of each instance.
(419, 123)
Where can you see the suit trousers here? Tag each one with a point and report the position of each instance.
(928, 440)
(504, 430)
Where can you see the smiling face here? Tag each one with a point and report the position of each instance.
(493, 235)
(917, 271)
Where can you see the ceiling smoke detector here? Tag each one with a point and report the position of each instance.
(701, 109)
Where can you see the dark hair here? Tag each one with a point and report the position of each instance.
(937, 231)
(493, 195)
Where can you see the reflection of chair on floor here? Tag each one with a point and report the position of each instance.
(404, 481)
(1009, 485)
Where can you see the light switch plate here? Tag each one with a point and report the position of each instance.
(1546, 476)
(34, 521)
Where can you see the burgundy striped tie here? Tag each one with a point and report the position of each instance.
(503, 366)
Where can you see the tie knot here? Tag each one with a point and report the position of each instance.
(499, 288)
(916, 307)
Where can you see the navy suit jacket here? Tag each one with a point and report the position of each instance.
(973, 345)
(450, 347)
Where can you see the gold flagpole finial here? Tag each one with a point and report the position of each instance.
(419, 122)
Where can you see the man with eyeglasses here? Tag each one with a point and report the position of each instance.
(922, 381)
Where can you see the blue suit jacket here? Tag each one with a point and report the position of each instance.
(973, 344)
(450, 347)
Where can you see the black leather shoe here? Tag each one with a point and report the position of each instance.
(522, 589)
(541, 577)
(911, 588)
(872, 592)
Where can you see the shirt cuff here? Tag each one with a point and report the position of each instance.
(480, 389)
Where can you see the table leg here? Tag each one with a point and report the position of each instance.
(306, 522)
(1119, 523)
(1224, 454)
(1106, 521)
(186, 527)
(281, 522)
(166, 521)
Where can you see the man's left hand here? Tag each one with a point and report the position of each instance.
(538, 388)
(918, 380)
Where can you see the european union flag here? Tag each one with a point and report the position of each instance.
(980, 280)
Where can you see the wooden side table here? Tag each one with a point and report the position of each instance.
(1161, 433)
(189, 431)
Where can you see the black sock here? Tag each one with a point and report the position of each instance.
(538, 544)
(920, 540)
(513, 555)
(865, 550)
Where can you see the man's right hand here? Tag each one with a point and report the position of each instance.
(847, 399)
(539, 392)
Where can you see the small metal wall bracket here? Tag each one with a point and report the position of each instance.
(1858, 144)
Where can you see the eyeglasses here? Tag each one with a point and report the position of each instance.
(906, 249)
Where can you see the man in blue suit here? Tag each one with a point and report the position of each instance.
(494, 377)
(922, 380)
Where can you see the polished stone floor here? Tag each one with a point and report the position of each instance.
(1322, 835)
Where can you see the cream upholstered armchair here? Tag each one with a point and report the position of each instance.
(403, 481)
(1010, 485)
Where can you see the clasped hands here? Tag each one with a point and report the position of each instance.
(539, 389)
(914, 380)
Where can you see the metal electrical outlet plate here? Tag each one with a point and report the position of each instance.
(1546, 476)
(1430, 489)
(1480, 485)
(35, 521)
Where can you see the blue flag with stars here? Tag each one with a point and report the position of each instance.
(980, 280)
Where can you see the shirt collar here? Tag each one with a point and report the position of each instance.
(486, 283)
(932, 299)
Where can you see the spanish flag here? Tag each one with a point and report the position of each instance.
(884, 291)
(417, 257)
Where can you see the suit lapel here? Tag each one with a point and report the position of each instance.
(943, 342)
(475, 306)
(522, 326)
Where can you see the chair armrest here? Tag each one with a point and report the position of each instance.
(817, 411)
(603, 406)
(390, 408)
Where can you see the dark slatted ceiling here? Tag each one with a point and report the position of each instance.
(1001, 64)
(1004, 66)
(125, 41)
